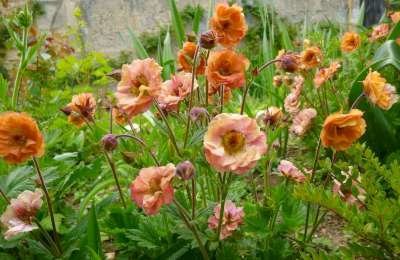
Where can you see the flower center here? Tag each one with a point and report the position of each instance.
(154, 186)
(139, 84)
(224, 70)
(19, 140)
(233, 142)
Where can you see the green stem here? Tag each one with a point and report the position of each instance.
(48, 238)
(48, 200)
(18, 77)
(114, 172)
(3, 194)
(193, 198)
(142, 143)
(225, 182)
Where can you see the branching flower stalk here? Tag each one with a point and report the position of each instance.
(48, 200)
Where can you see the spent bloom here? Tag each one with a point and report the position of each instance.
(311, 58)
(303, 121)
(290, 171)
(325, 74)
(350, 42)
(175, 90)
(81, 109)
(20, 137)
(186, 59)
(232, 219)
(287, 61)
(380, 31)
(270, 117)
(20, 213)
(234, 143)
(140, 83)
(153, 188)
(227, 68)
(378, 91)
(208, 40)
(229, 24)
(292, 101)
(347, 194)
(341, 130)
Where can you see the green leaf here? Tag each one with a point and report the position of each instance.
(3, 90)
(394, 33)
(65, 156)
(93, 233)
(137, 45)
(167, 57)
(197, 19)
(177, 23)
(46, 223)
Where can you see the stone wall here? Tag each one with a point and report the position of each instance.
(107, 19)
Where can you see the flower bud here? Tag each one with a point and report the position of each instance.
(207, 40)
(289, 62)
(197, 113)
(185, 170)
(109, 142)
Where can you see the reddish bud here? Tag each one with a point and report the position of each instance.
(109, 142)
(185, 170)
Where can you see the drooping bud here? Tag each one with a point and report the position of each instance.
(207, 40)
(185, 170)
(197, 113)
(109, 142)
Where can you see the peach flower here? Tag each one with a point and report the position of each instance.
(20, 137)
(232, 219)
(140, 83)
(380, 31)
(311, 57)
(290, 171)
(292, 103)
(378, 91)
(302, 121)
(227, 68)
(340, 130)
(350, 42)
(234, 143)
(18, 215)
(325, 74)
(395, 17)
(175, 90)
(81, 109)
(153, 187)
(185, 59)
(229, 24)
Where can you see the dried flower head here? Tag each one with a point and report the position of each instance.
(81, 109)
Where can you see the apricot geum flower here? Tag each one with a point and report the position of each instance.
(226, 68)
(232, 219)
(175, 90)
(81, 109)
(20, 137)
(140, 83)
(378, 91)
(380, 31)
(325, 74)
(153, 188)
(311, 58)
(18, 217)
(287, 169)
(186, 59)
(341, 130)
(234, 143)
(350, 42)
(229, 24)
(302, 121)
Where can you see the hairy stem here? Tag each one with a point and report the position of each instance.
(18, 77)
(114, 172)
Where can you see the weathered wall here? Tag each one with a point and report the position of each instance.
(106, 19)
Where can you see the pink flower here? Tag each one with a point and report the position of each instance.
(153, 188)
(232, 218)
(18, 215)
(290, 171)
(292, 101)
(234, 143)
(347, 195)
(302, 121)
(175, 90)
(140, 83)
(325, 74)
(380, 31)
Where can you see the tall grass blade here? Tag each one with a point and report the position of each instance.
(177, 24)
(137, 45)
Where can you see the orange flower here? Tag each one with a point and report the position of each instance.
(140, 83)
(153, 188)
(81, 109)
(229, 24)
(395, 17)
(325, 74)
(340, 130)
(380, 31)
(378, 91)
(226, 68)
(350, 42)
(185, 59)
(311, 57)
(20, 137)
